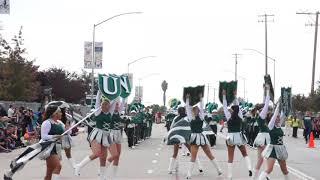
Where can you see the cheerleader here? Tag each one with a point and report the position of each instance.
(66, 139)
(116, 136)
(173, 164)
(197, 138)
(276, 149)
(100, 138)
(51, 130)
(235, 137)
(263, 137)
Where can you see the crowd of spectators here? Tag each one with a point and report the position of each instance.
(19, 127)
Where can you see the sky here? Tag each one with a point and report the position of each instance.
(193, 41)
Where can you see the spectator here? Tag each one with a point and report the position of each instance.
(3, 144)
(307, 125)
(10, 111)
(316, 126)
(295, 126)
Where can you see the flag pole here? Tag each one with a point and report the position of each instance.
(75, 125)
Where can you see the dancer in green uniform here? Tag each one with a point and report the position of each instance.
(51, 130)
(235, 137)
(100, 138)
(196, 117)
(116, 136)
(263, 138)
(174, 162)
(276, 150)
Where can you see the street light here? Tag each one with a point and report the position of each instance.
(93, 48)
(138, 60)
(274, 64)
(143, 77)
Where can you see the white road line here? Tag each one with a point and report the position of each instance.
(154, 161)
(159, 149)
(157, 154)
(298, 173)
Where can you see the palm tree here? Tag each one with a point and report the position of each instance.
(164, 87)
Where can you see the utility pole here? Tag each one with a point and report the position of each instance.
(315, 45)
(208, 93)
(236, 55)
(214, 95)
(265, 20)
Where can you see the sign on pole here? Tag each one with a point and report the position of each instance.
(97, 55)
(4, 6)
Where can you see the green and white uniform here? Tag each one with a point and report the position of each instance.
(49, 128)
(263, 138)
(276, 149)
(197, 136)
(116, 134)
(235, 137)
(101, 133)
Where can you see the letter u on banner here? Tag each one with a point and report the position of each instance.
(109, 86)
(110, 81)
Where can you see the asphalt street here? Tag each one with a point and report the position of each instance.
(150, 161)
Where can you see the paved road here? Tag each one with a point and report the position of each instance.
(150, 161)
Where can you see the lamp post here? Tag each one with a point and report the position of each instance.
(138, 60)
(93, 48)
(270, 58)
(143, 77)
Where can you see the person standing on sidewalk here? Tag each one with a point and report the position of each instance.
(307, 126)
(295, 126)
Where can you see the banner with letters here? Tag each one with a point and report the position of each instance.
(113, 86)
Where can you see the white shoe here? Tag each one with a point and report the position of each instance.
(77, 170)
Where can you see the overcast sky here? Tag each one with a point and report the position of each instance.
(193, 40)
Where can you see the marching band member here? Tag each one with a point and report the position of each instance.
(235, 137)
(197, 138)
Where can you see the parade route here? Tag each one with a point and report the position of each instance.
(150, 161)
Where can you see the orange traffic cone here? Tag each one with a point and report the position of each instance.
(311, 141)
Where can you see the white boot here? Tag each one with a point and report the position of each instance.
(263, 175)
(189, 173)
(230, 170)
(248, 161)
(176, 165)
(255, 174)
(199, 165)
(114, 172)
(102, 173)
(72, 162)
(171, 165)
(286, 177)
(216, 165)
(55, 177)
(84, 162)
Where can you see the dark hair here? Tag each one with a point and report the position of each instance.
(182, 111)
(63, 116)
(235, 114)
(50, 110)
(10, 106)
(268, 118)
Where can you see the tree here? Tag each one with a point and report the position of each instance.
(65, 85)
(17, 74)
(164, 87)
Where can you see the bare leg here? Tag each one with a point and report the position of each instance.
(270, 164)
(230, 160)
